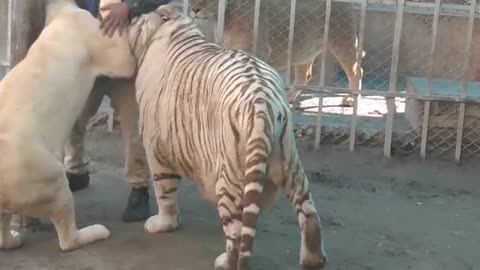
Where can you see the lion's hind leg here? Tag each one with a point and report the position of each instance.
(303, 75)
(42, 190)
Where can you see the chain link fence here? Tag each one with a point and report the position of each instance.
(420, 62)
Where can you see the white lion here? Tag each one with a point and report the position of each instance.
(40, 99)
(273, 37)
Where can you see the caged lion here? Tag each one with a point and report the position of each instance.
(219, 117)
(274, 34)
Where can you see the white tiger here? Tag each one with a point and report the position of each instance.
(40, 98)
(220, 118)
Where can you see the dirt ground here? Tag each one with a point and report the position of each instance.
(376, 214)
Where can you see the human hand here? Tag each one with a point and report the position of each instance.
(117, 18)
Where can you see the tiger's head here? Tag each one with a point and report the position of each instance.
(157, 26)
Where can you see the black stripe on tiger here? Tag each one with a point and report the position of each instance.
(164, 176)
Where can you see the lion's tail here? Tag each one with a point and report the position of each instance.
(55, 7)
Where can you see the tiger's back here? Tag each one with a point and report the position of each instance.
(209, 93)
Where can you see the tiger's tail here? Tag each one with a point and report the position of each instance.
(258, 149)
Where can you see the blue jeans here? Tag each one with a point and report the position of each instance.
(90, 5)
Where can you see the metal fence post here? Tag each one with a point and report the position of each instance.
(9, 35)
(393, 78)
(256, 25)
(426, 109)
(326, 30)
(465, 78)
(291, 35)
(186, 4)
(222, 7)
(361, 35)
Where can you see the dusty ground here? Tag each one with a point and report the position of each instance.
(376, 214)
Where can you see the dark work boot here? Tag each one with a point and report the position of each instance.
(138, 208)
(78, 181)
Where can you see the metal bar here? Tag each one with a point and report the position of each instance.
(459, 138)
(186, 4)
(318, 131)
(424, 136)
(291, 32)
(465, 79)
(335, 91)
(256, 25)
(421, 8)
(426, 108)
(468, 50)
(393, 78)
(361, 34)
(222, 7)
(111, 117)
(9, 35)
(348, 1)
(415, 7)
(5, 63)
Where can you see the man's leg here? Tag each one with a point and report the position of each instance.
(122, 94)
(76, 160)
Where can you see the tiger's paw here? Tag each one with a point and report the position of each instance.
(313, 261)
(161, 223)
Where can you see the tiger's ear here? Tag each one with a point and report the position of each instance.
(168, 12)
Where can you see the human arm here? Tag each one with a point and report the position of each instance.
(120, 13)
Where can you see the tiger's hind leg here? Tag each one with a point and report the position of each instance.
(167, 219)
(165, 183)
(9, 239)
(312, 254)
(229, 210)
